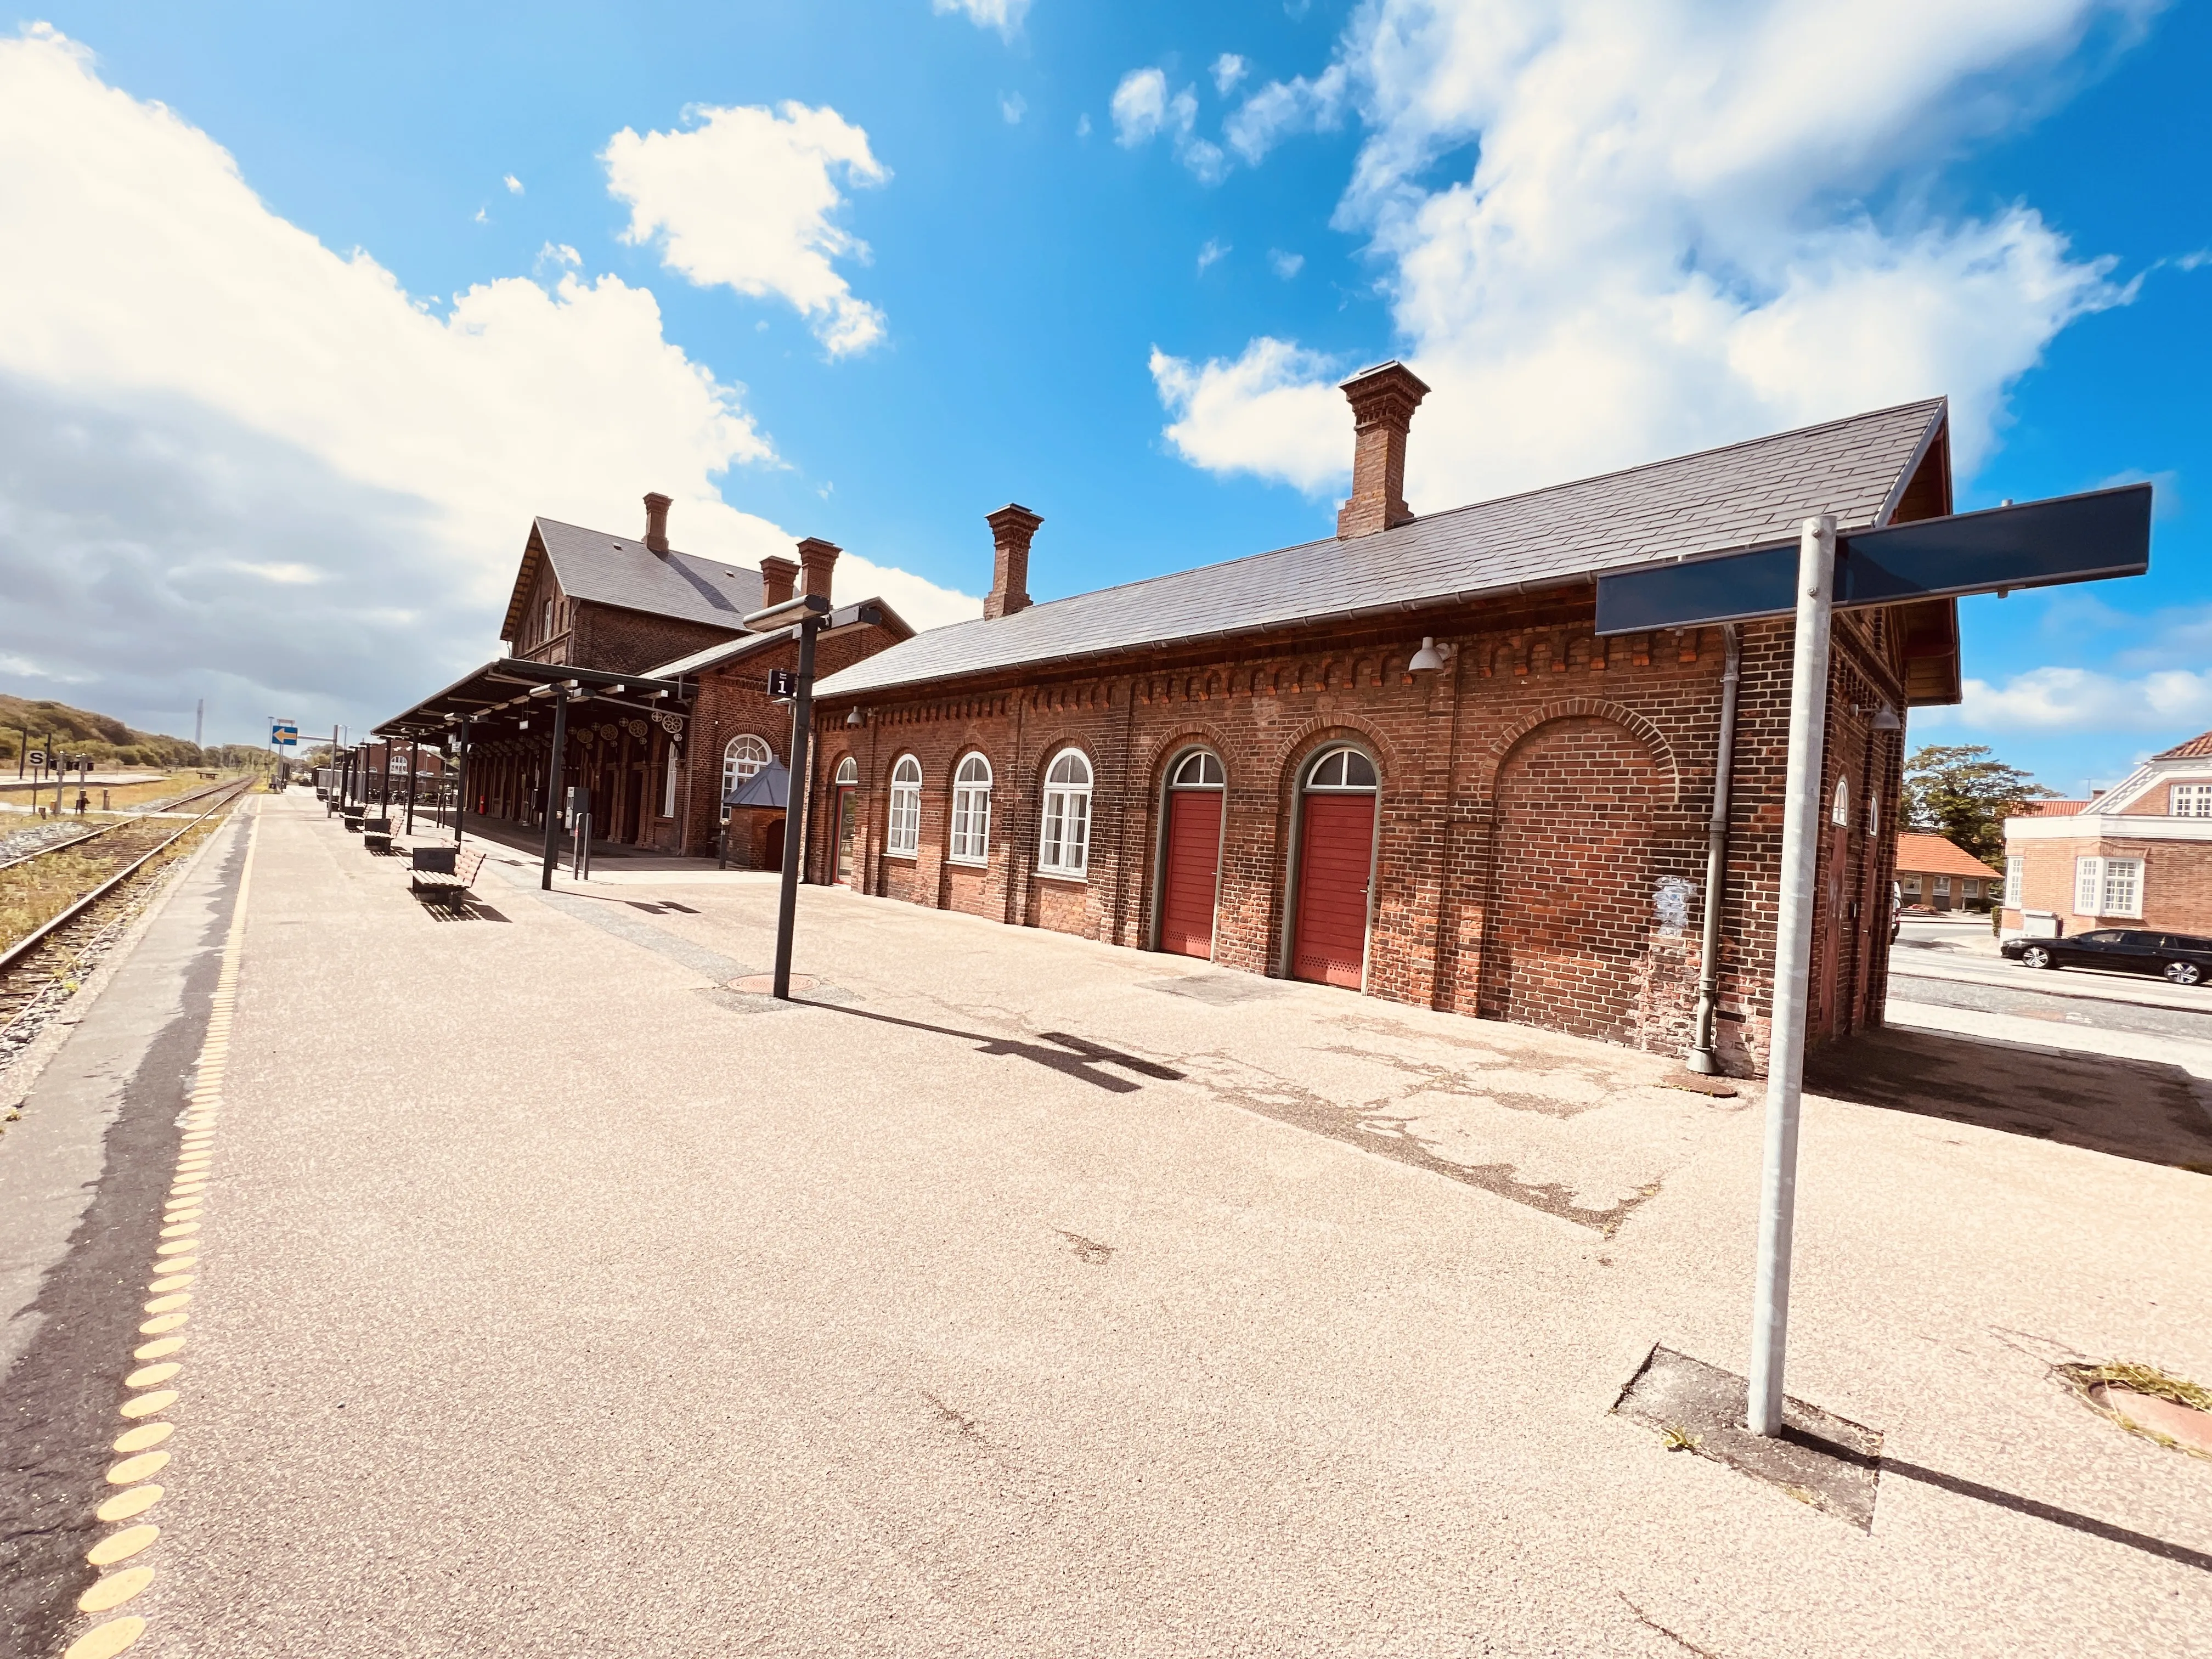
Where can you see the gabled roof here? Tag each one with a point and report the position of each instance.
(1933, 855)
(603, 569)
(1712, 501)
(2197, 748)
(2050, 809)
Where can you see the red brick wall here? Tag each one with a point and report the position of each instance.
(2157, 801)
(1530, 711)
(2177, 881)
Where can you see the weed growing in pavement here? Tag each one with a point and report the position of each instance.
(2137, 1378)
(1674, 1438)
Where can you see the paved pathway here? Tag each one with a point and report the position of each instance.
(1015, 1295)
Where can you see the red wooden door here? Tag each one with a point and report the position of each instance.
(1828, 1016)
(1335, 860)
(1193, 863)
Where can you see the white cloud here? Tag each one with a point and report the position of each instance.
(513, 185)
(1286, 265)
(1228, 69)
(1003, 15)
(559, 254)
(1083, 125)
(1144, 108)
(1283, 107)
(2083, 700)
(1269, 412)
(746, 197)
(1012, 106)
(201, 407)
(1211, 253)
(1658, 238)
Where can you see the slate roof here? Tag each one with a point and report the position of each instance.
(602, 568)
(1933, 855)
(2198, 747)
(1743, 495)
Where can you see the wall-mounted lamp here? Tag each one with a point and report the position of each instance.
(1427, 659)
(854, 719)
(1887, 721)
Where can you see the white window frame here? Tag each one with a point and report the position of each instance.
(1942, 887)
(737, 768)
(2115, 886)
(2015, 879)
(1840, 804)
(902, 825)
(1908, 883)
(2189, 800)
(848, 773)
(971, 810)
(673, 758)
(1064, 826)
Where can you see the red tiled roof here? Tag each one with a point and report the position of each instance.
(1933, 855)
(2050, 809)
(2198, 747)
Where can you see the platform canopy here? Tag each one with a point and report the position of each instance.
(510, 688)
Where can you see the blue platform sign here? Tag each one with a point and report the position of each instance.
(2068, 539)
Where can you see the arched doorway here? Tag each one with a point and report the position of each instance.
(1571, 905)
(1336, 870)
(845, 813)
(1190, 855)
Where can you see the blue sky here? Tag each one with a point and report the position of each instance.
(868, 272)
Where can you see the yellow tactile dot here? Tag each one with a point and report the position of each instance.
(166, 1322)
(105, 1641)
(175, 1264)
(147, 1377)
(129, 1505)
(195, 1160)
(171, 1282)
(144, 1435)
(115, 1590)
(177, 1247)
(131, 1470)
(180, 1229)
(176, 1209)
(145, 1405)
(121, 1545)
(169, 1304)
(189, 1188)
(167, 1345)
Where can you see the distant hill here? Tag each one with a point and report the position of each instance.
(106, 739)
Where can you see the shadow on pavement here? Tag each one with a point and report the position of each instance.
(1076, 1057)
(2136, 1108)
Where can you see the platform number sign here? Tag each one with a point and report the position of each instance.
(782, 684)
(37, 757)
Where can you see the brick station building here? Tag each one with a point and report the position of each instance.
(1399, 760)
(2140, 852)
(656, 772)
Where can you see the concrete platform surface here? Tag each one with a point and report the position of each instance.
(1017, 1295)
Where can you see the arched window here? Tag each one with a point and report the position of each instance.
(904, 835)
(1839, 809)
(1874, 817)
(743, 757)
(1341, 771)
(1064, 843)
(1197, 770)
(849, 772)
(971, 811)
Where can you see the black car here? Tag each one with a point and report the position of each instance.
(2183, 958)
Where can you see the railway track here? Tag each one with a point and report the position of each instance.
(112, 871)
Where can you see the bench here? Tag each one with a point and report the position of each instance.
(377, 841)
(353, 820)
(443, 875)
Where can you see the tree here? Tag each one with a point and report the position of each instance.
(1960, 793)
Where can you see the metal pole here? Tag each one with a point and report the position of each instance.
(383, 786)
(413, 765)
(1704, 1042)
(553, 786)
(1793, 956)
(794, 806)
(461, 782)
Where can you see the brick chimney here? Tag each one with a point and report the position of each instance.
(816, 559)
(777, 575)
(656, 521)
(1012, 527)
(1382, 401)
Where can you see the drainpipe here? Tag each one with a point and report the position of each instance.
(1700, 1059)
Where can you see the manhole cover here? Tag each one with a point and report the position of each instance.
(764, 984)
